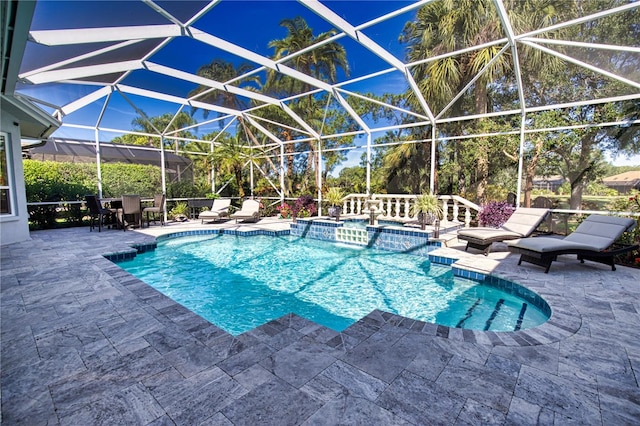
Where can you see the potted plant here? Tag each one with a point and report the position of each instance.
(304, 206)
(428, 210)
(334, 197)
(180, 212)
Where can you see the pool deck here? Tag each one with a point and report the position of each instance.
(85, 343)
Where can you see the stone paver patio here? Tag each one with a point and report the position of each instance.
(85, 343)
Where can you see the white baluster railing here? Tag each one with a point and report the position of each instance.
(398, 207)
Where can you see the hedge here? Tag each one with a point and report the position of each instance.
(48, 181)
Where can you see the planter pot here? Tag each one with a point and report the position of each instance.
(425, 219)
(334, 211)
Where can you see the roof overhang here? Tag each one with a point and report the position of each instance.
(34, 122)
(16, 21)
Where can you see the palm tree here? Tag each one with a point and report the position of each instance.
(166, 123)
(322, 63)
(230, 156)
(222, 71)
(447, 26)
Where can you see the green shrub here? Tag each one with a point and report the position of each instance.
(185, 189)
(121, 178)
(50, 181)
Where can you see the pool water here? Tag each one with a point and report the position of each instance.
(239, 283)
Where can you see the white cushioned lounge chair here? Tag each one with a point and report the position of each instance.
(592, 240)
(219, 209)
(520, 224)
(250, 211)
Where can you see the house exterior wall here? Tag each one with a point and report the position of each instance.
(14, 227)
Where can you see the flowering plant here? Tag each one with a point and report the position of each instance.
(285, 210)
(635, 202)
(304, 206)
(495, 213)
(630, 237)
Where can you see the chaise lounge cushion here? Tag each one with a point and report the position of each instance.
(219, 209)
(596, 233)
(520, 224)
(250, 210)
(589, 241)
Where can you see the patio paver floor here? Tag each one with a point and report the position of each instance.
(83, 342)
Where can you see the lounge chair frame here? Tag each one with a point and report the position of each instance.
(545, 260)
(582, 250)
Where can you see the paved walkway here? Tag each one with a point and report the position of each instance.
(85, 343)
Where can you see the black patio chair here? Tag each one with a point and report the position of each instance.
(96, 212)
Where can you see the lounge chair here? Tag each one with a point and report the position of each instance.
(592, 240)
(249, 211)
(158, 208)
(219, 209)
(520, 224)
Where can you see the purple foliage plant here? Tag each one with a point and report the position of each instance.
(305, 206)
(495, 213)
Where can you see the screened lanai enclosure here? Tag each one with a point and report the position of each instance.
(276, 97)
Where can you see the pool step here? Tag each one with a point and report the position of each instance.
(520, 317)
(494, 314)
(468, 314)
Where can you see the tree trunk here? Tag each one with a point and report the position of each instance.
(482, 170)
(530, 170)
(584, 166)
(575, 202)
(238, 173)
(289, 149)
(528, 187)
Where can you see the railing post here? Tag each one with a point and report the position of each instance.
(445, 210)
(467, 217)
(456, 209)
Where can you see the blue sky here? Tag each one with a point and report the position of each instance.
(249, 24)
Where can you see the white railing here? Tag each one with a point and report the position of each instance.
(397, 207)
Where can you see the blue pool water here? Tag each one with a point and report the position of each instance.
(239, 283)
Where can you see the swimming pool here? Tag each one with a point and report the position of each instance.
(239, 283)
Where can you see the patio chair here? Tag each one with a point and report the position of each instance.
(219, 209)
(250, 211)
(96, 211)
(520, 224)
(592, 240)
(158, 208)
(131, 207)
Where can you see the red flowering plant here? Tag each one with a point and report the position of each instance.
(495, 213)
(285, 211)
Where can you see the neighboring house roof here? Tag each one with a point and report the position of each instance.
(630, 179)
(549, 179)
(85, 151)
